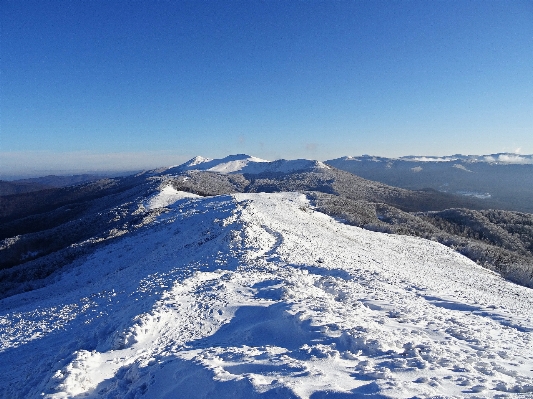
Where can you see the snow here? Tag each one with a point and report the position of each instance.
(461, 167)
(232, 166)
(168, 195)
(511, 159)
(474, 194)
(242, 163)
(197, 160)
(429, 159)
(261, 296)
(229, 164)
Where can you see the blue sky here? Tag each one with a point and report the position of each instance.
(89, 85)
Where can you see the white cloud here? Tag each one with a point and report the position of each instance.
(515, 159)
(429, 159)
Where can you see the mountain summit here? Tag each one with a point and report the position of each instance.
(229, 164)
(246, 164)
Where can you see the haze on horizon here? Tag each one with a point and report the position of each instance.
(132, 85)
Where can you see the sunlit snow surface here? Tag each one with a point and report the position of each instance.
(168, 195)
(260, 296)
(242, 163)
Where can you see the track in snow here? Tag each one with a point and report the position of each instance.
(258, 295)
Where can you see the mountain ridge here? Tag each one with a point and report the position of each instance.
(258, 295)
(42, 236)
(502, 185)
(496, 158)
(245, 164)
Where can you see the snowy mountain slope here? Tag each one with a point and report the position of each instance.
(499, 240)
(229, 164)
(54, 230)
(242, 163)
(259, 295)
(168, 195)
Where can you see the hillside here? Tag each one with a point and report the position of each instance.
(29, 185)
(262, 296)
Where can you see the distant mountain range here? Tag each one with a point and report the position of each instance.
(502, 158)
(503, 181)
(20, 186)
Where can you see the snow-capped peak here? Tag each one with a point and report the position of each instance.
(229, 164)
(242, 163)
(197, 160)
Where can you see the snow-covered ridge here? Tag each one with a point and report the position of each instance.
(242, 163)
(167, 195)
(260, 296)
(500, 158)
(229, 164)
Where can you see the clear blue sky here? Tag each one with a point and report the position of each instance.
(126, 84)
